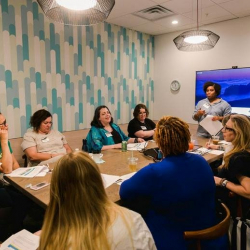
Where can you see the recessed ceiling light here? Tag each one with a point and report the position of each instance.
(174, 22)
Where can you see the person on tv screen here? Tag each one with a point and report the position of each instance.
(212, 105)
(141, 126)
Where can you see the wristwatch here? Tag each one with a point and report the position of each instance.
(224, 183)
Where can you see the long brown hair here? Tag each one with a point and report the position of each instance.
(78, 214)
(172, 135)
(241, 142)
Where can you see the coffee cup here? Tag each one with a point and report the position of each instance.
(97, 156)
(132, 164)
(215, 139)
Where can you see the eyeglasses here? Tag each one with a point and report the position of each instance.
(142, 113)
(4, 123)
(45, 123)
(228, 129)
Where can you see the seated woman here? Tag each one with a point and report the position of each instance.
(80, 215)
(176, 194)
(234, 174)
(141, 126)
(42, 144)
(104, 134)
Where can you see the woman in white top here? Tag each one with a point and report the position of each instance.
(42, 144)
(80, 215)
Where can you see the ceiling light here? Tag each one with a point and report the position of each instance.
(174, 22)
(76, 4)
(77, 12)
(196, 40)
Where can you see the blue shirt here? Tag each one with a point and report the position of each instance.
(176, 195)
(220, 108)
(98, 137)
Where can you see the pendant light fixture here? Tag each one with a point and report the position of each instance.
(196, 40)
(77, 12)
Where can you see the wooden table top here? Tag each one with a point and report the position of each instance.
(115, 164)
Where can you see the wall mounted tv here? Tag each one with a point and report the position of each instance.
(235, 87)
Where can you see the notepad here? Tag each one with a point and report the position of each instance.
(212, 127)
(27, 172)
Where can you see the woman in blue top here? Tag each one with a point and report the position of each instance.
(176, 194)
(104, 134)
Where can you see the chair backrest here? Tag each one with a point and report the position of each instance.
(210, 233)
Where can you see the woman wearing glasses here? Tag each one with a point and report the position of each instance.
(42, 144)
(141, 126)
(234, 174)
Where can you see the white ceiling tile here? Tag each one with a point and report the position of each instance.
(212, 11)
(129, 21)
(167, 22)
(237, 6)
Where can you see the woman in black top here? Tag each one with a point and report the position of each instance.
(141, 126)
(234, 174)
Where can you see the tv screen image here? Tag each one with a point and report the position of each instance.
(235, 87)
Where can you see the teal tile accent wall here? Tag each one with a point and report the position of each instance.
(69, 70)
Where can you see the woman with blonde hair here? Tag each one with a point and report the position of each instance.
(80, 215)
(177, 194)
(234, 174)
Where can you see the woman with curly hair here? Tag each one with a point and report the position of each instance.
(176, 194)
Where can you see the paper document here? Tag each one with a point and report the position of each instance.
(108, 180)
(22, 240)
(200, 151)
(212, 127)
(124, 178)
(27, 172)
(137, 146)
(216, 152)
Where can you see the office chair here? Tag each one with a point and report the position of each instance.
(210, 233)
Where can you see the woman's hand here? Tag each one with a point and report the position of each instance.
(200, 113)
(211, 146)
(216, 118)
(217, 180)
(118, 145)
(4, 135)
(140, 140)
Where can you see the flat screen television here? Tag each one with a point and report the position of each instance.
(235, 87)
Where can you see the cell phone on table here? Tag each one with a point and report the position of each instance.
(39, 185)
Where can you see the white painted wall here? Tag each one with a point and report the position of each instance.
(233, 49)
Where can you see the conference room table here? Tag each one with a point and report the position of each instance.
(116, 163)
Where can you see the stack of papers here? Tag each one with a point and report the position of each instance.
(29, 172)
(200, 151)
(137, 146)
(23, 240)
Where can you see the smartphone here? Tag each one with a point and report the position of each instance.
(39, 185)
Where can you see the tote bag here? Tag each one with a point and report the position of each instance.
(239, 234)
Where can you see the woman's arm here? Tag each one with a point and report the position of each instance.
(15, 163)
(68, 148)
(144, 134)
(7, 160)
(33, 155)
(242, 189)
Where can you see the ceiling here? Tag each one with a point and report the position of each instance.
(184, 11)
